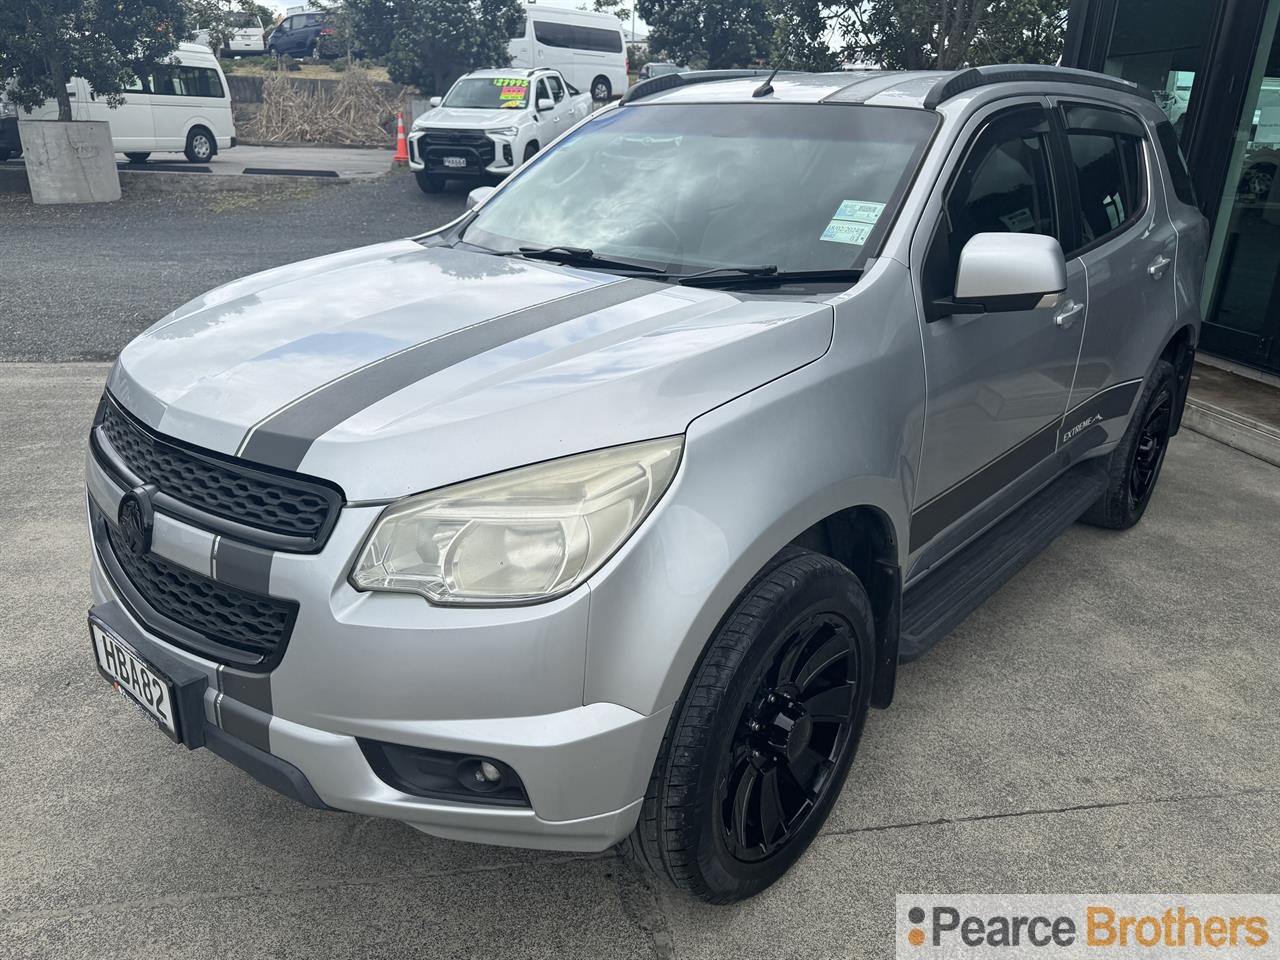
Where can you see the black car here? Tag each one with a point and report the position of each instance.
(299, 35)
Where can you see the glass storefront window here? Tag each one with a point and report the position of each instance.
(1242, 280)
(1161, 45)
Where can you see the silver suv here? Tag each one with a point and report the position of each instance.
(608, 510)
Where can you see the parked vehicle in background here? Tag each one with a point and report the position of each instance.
(299, 34)
(490, 122)
(587, 48)
(248, 38)
(657, 69)
(10, 142)
(178, 107)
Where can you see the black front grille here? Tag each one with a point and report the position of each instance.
(277, 511)
(471, 145)
(212, 619)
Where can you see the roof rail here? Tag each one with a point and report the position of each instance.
(964, 80)
(669, 81)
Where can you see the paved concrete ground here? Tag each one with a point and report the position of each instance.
(349, 162)
(1107, 722)
(79, 282)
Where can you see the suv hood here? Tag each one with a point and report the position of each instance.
(398, 368)
(454, 118)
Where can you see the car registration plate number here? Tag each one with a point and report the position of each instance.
(134, 678)
(455, 161)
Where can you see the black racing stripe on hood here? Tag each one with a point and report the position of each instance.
(283, 439)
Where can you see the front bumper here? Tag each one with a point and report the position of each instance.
(504, 683)
(430, 156)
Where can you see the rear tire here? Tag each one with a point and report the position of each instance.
(601, 89)
(1133, 467)
(429, 182)
(759, 745)
(200, 145)
(137, 157)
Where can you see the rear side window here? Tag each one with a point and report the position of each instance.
(178, 81)
(1004, 185)
(1178, 175)
(577, 38)
(1105, 149)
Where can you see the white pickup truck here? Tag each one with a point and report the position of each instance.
(490, 122)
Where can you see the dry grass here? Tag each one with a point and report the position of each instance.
(355, 110)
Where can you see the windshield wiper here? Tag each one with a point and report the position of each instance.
(578, 257)
(756, 276)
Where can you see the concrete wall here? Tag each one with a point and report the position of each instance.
(69, 162)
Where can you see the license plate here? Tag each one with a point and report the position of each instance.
(134, 678)
(455, 161)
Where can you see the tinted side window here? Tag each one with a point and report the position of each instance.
(1181, 179)
(176, 81)
(602, 41)
(553, 34)
(1109, 175)
(1004, 185)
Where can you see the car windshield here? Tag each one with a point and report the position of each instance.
(692, 187)
(489, 93)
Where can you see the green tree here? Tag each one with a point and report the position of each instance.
(44, 43)
(802, 35)
(946, 35)
(430, 43)
(708, 33)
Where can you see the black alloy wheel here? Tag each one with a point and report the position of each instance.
(790, 738)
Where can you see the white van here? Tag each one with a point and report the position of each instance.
(178, 107)
(587, 48)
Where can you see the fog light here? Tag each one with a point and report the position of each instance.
(487, 771)
(445, 776)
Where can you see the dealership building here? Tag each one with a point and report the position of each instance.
(1214, 66)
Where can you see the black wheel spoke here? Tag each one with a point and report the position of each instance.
(802, 772)
(832, 705)
(771, 815)
(830, 653)
(742, 805)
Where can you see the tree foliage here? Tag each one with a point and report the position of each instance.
(947, 34)
(430, 43)
(44, 43)
(708, 33)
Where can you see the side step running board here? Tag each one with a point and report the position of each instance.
(934, 607)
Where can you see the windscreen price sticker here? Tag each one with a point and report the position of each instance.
(1111, 926)
(513, 89)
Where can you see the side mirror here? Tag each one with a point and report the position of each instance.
(1004, 272)
(478, 196)
(436, 101)
(545, 104)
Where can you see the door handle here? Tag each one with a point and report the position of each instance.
(1158, 266)
(1066, 317)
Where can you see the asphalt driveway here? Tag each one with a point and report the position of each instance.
(1107, 722)
(79, 282)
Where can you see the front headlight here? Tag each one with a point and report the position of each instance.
(517, 537)
(505, 131)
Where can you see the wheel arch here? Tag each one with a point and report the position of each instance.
(1180, 351)
(863, 539)
(199, 123)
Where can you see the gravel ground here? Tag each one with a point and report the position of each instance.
(79, 282)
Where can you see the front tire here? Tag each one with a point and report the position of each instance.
(429, 182)
(200, 145)
(759, 745)
(1133, 467)
(530, 151)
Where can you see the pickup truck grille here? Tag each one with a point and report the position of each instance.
(471, 145)
(225, 496)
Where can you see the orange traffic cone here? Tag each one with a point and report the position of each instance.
(401, 159)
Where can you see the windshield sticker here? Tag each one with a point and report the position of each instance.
(862, 211)
(853, 222)
(512, 92)
(847, 231)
